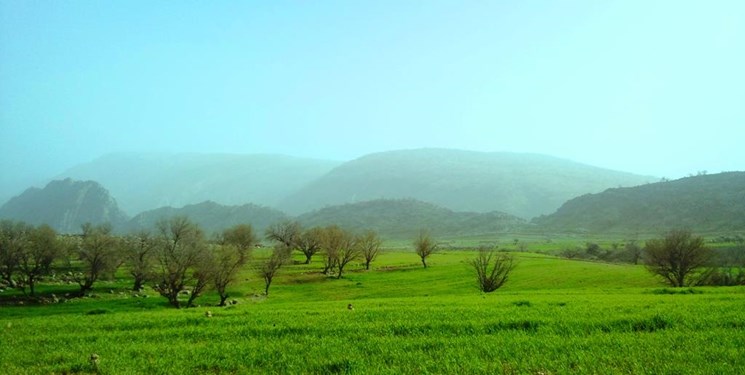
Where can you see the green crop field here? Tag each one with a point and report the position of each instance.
(554, 316)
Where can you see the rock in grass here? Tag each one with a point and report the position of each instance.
(94, 359)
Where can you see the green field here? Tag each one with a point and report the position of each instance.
(554, 316)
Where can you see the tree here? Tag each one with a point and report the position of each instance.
(139, 251)
(309, 242)
(98, 253)
(424, 246)
(14, 237)
(369, 243)
(677, 257)
(269, 268)
(181, 249)
(36, 256)
(633, 251)
(347, 252)
(240, 236)
(492, 269)
(285, 232)
(229, 256)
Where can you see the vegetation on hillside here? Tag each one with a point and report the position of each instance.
(404, 218)
(702, 203)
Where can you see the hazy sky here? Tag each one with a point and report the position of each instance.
(652, 87)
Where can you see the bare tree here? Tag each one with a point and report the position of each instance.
(677, 257)
(139, 250)
(347, 252)
(98, 253)
(14, 238)
(35, 257)
(242, 237)
(309, 242)
(285, 232)
(369, 244)
(424, 246)
(269, 268)
(229, 256)
(181, 248)
(492, 269)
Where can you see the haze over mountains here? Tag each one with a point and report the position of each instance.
(145, 181)
(524, 185)
(453, 192)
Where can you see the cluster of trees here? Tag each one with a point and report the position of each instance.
(338, 246)
(176, 258)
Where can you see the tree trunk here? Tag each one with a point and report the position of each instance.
(424, 262)
(367, 265)
(307, 258)
(266, 290)
(223, 298)
(31, 285)
(138, 284)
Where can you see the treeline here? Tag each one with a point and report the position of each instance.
(702, 265)
(175, 257)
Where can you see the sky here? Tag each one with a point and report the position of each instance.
(650, 87)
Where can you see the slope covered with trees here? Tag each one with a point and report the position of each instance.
(211, 216)
(143, 182)
(701, 203)
(65, 205)
(525, 185)
(404, 218)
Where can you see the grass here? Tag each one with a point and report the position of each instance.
(553, 316)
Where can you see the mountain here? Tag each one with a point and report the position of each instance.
(65, 205)
(212, 217)
(142, 181)
(701, 203)
(525, 185)
(404, 218)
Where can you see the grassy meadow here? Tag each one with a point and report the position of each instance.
(554, 316)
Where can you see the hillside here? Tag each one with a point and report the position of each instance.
(147, 181)
(524, 185)
(64, 205)
(702, 203)
(403, 218)
(211, 216)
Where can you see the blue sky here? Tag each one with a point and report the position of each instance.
(651, 87)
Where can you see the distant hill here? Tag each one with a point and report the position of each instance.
(403, 218)
(702, 203)
(65, 205)
(525, 185)
(142, 181)
(211, 217)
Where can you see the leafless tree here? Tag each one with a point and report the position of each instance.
(14, 238)
(424, 246)
(285, 232)
(269, 268)
(98, 252)
(242, 237)
(369, 244)
(139, 250)
(35, 257)
(492, 269)
(230, 255)
(677, 257)
(309, 242)
(181, 249)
